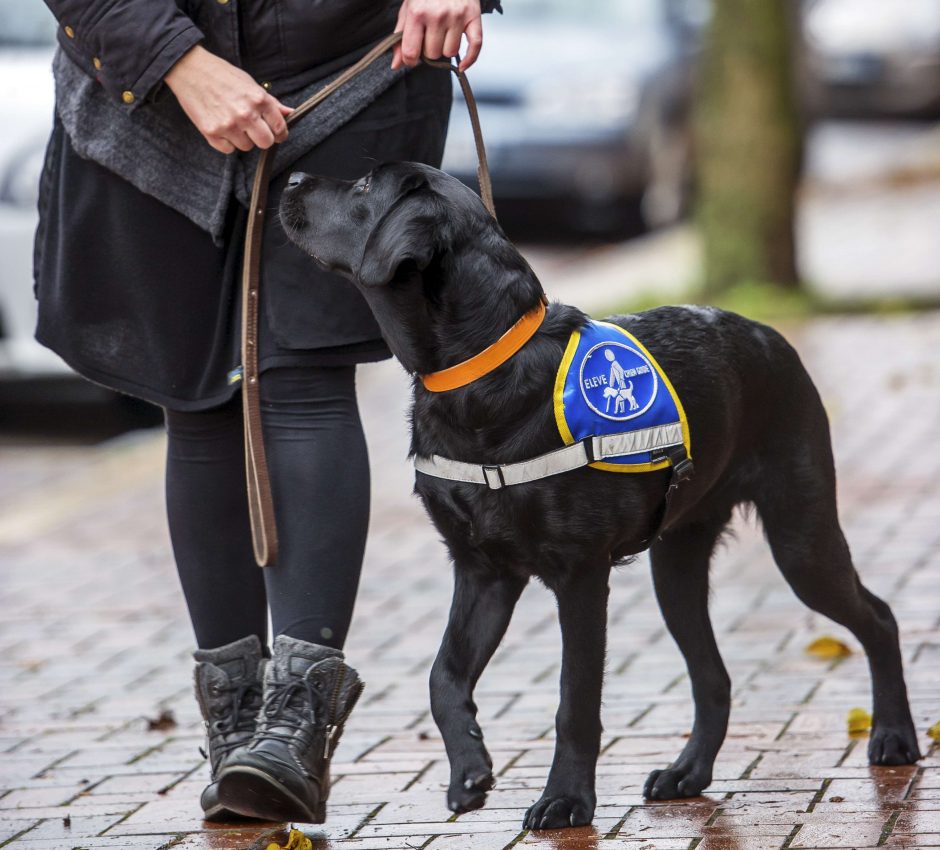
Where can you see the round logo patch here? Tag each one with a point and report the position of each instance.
(617, 381)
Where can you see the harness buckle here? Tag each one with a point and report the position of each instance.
(682, 467)
(494, 477)
(591, 448)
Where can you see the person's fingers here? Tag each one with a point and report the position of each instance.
(221, 145)
(434, 36)
(284, 108)
(452, 42)
(399, 27)
(239, 138)
(411, 42)
(260, 134)
(274, 119)
(474, 31)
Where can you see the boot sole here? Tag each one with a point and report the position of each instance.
(215, 812)
(220, 814)
(253, 793)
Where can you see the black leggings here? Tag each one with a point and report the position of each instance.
(319, 469)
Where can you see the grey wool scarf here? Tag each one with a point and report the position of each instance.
(158, 150)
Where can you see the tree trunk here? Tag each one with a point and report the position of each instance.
(749, 144)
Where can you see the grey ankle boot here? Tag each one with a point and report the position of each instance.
(284, 773)
(228, 690)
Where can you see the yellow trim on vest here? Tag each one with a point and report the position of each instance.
(558, 403)
(558, 395)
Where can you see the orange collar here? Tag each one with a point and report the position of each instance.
(490, 358)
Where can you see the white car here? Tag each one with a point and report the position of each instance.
(36, 385)
(27, 44)
(871, 58)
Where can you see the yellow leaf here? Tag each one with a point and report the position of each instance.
(934, 732)
(296, 840)
(828, 647)
(859, 721)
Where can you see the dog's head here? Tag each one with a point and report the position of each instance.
(365, 229)
(383, 232)
(418, 244)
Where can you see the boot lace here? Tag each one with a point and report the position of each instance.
(284, 708)
(246, 699)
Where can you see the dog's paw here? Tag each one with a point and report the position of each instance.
(893, 745)
(676, 782)
(554, 811)
(469, 792)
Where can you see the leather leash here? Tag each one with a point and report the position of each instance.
(260, 500)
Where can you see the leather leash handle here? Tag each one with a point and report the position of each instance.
(483, 168)
(260, 501)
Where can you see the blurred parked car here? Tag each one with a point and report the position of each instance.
(585, 104)
(871, 58)
(36, 384)
(27, 43)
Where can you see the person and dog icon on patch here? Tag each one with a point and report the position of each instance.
(618, 388)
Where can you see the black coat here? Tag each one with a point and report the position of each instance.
(136, 297)
(129, 45)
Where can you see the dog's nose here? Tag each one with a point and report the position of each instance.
(296, 178)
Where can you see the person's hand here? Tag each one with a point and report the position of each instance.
(227, 106)
(434, 28)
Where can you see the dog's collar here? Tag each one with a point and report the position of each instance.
(492, 357)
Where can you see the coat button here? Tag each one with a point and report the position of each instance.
(128, 97)
(266, 86)
(70, 32)
(96, 62)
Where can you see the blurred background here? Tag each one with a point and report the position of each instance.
(778, 158)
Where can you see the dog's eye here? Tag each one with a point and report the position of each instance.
(363, 185)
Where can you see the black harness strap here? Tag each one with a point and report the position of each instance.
(681, 470)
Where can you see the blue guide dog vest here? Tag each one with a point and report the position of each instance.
(609, 384)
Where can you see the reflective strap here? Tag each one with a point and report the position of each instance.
(497, 477)
(645, 440)
(453, 470)
(552, 463)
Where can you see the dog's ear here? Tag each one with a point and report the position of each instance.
(407, 232)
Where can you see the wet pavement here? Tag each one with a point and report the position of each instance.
(95, 647)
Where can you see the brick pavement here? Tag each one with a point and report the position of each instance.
(94, 642)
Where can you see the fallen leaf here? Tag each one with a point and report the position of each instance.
(296, 840)
(859, 721)
(837, 799)
(828, 647)
(934, 732)
(163, 721)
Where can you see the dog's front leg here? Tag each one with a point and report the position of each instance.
(480, 612)
(569, 798)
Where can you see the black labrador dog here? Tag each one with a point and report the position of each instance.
(444, 282)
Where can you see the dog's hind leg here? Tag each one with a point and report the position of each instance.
(569, 798)
(680, 563)
(479, 615)
(798, 510)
